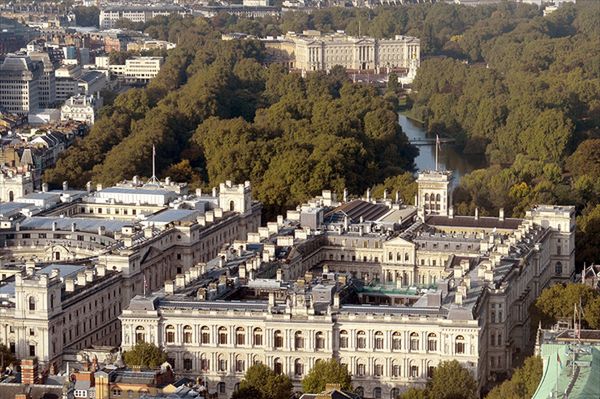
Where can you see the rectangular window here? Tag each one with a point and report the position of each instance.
(187, 364)
(31, 350)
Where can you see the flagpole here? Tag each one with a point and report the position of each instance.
(437, 145)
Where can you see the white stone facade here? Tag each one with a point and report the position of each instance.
(313, 51)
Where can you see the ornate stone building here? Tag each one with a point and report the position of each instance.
(83, 255)
(385, 289)
(313, 51)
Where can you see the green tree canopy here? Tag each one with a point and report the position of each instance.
(260, 378)
(326, 372)
(523, 383)
(452, 381)
(560, 302)
(145, 355)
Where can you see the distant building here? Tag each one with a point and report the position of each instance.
(256, 3)
(81, 108)
(136, 13)
(136, 70)
(314, 51)
(14, 183)
(20, 84)
(150, 45)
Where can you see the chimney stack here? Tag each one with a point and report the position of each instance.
(29, 371)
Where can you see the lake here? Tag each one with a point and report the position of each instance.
(450, 157)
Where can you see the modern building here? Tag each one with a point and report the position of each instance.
(387, 290)
(136, 13)
(136, 70)
(20, 78)
(314, 51)
(47, 85)
(85, 257)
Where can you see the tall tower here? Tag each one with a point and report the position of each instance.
(433, 193)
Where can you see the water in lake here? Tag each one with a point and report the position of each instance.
(449, 156)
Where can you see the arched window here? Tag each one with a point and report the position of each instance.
(240, 336)
(394, 393)
(221, 388)
(222, 336)
(378, 369)
(277, 366)
(204, 362)
(426, 196)
(320, 341)
(298, 340)
(432, 342)
(187, 334)
(430, 370)
(438, 198)
(406, 256)
(258, 337)
(390, 256)
(298, 368)
(377, 393)
(558, 269)
(11, 196)
(361, 340)
(278, 339)
(396, 341)
(222, 363)
(360, 368)
(398, 257)
(459, 344)
(170, 334)
(205, 333)
(414, 341)
(232, 206)
(360, 391)
(378, 340)
(414, 371)
(140, 334)
(396, 370)
(343, 339)
(32, 303)
(240, 364)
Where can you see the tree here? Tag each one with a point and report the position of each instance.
(87, 16)
(523, 382)
(560, 301)
(452, 381)
(247, 393)
(413, 393)
(326, 372)
(145, 355)
(264, 380)
(6, 357)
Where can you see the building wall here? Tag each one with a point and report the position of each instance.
(375, 357)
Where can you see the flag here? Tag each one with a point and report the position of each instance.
(558, 359)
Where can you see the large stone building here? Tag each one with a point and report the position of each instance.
(136, 13)
(81, 256)
(386, 289)
(313, 51)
